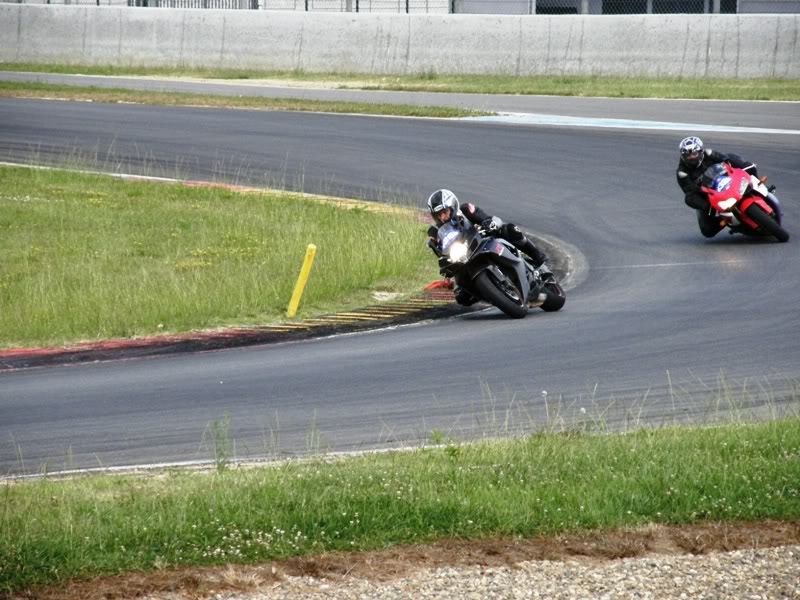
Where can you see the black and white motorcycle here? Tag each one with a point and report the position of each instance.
(495, 271)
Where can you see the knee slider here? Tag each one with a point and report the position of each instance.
(463, 297)
(513, 233)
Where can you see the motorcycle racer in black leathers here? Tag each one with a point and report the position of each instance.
(695, 158)
(444, 206)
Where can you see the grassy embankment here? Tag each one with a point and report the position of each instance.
(109, 95)
(89, 257)
(614, 87)
(55, 530)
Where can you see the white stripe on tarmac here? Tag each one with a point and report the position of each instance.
(676, 264)
(564, 121)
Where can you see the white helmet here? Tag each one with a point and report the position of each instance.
(442, 200)
(692, 151)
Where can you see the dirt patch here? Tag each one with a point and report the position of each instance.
(401, 561)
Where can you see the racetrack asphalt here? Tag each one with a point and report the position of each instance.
(663, 326)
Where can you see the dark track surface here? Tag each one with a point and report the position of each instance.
(777, 115)
(658, 323)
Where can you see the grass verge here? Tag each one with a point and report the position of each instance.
(89, 257)
(614, 87)
(95, 94)
(52, 531)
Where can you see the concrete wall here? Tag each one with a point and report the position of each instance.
(741, 46)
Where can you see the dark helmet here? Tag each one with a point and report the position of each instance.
(441, 200)
(692, 151)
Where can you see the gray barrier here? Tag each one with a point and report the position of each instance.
(509, 7)
(718, 46)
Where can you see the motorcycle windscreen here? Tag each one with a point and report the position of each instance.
(716, 177)
(449, 233)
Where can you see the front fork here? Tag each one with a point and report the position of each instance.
(773, 201)
(760, 187)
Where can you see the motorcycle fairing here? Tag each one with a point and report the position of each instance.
(486, 253)
(503, 254)
(722, 184)
(721, 178)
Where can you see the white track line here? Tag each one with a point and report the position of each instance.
(676, 264)
(561, 121)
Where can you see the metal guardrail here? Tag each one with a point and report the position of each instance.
(217, 4)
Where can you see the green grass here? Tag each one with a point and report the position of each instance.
(55, 530)
(615, 87)
(87, 257)
(109, 95)
(612, 87)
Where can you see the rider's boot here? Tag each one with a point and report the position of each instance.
(545, 273)
(537, 256)
(463, 297)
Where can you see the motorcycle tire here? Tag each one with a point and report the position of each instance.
(492, 293)
(555, 297)
(766, 223)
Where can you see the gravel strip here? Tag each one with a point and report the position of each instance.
(746, 574)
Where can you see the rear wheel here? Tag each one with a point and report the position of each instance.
(555, 297)
(766, 223)
(502, 294)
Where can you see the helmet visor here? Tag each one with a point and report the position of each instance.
(442, 213)
(693, 157)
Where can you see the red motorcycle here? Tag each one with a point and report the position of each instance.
(740, 200)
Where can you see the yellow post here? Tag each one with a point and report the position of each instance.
(311, 251)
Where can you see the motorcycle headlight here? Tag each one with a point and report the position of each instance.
(726, 205)
(457, 252)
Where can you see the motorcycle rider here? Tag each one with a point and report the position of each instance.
(444, 207)
(695, 158)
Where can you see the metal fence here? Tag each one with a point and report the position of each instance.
(366, 6)
(508, 7)
(74, 2)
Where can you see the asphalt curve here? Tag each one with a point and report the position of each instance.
(663, 326)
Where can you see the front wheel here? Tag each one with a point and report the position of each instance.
(766, 223)
(555, 297)
(502, 294)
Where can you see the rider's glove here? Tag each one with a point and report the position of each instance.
(490, 224)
